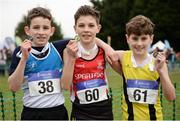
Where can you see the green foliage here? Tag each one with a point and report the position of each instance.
(58, 33)
(19, 31)
(116, 13)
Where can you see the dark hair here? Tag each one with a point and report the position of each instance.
(38, 12)
(139, 25)
(85, 11)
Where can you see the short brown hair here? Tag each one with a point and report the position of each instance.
(38, 12)
(85, 11)
(140, 25)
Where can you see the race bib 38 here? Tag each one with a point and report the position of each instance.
(44, 83)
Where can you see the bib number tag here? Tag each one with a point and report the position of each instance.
(92, 91)
(142, 91)
(92, 95)
(44, 83)
(44, 87)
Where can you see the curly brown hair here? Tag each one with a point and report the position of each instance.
(85, 11)
(38, 12)
(140, 25)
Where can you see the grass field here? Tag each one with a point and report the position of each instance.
(171, 110)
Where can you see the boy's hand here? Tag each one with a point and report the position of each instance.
(72, 48)
(26, 48)
(114, 56)
(160, 60)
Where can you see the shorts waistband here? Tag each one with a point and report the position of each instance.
(44, 109)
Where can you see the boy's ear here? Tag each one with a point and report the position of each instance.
(152, 37)
(74, 28)
(127, 38)
(52, 30)
(26, 29)
(99, 28)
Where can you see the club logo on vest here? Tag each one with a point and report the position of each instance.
(31, 65)
(80, 65)
(100, 66)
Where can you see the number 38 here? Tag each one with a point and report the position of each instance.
(46, 87)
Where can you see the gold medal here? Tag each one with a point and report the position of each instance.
(77, 38)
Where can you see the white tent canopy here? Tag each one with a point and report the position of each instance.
(160, 45)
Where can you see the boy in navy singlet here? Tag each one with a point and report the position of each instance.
(37, 67)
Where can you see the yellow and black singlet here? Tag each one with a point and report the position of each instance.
(141, 97)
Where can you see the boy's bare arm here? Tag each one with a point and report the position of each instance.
(167, 86)
(69, 58)
(116, 58)
(16, 79)
(107, 48)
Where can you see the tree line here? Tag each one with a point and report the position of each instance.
(165, 14)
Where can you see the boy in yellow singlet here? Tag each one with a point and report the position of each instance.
(142, 73)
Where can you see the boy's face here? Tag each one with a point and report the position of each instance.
(139, 44)
(87, 28)
(40, 30)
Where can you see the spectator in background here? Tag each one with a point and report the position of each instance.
(170, 56)
(3, 56)
(3, 59)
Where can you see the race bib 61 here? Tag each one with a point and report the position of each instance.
(142, 91)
